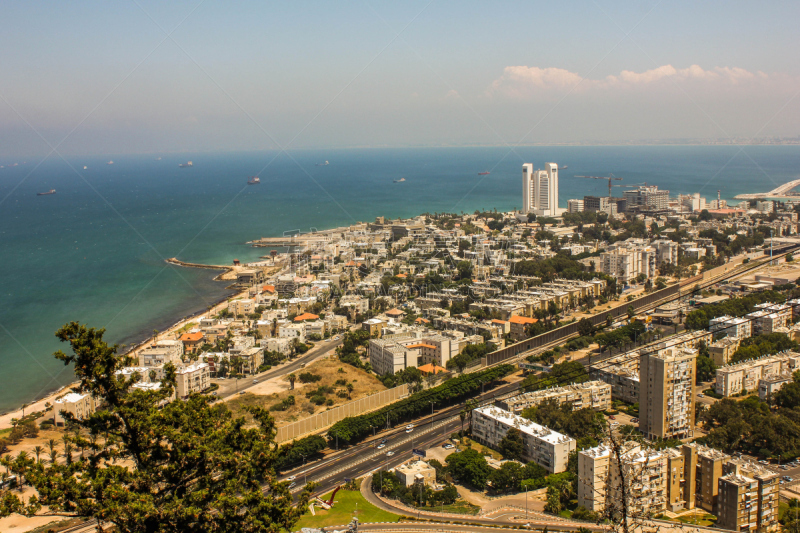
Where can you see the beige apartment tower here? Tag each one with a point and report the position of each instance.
(666, 393)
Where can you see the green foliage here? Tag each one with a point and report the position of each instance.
(410, 375)
(469, 466)
(186, 466)
(471, 353)
(561, 374)
(353, 429)
(352, 340)
(754, 347)
(283, 404)
(620, 336)
(309, 377)
(706, 368)
(512, 445)
(699, 318)
(559, 266)
(584, 425)
(389, 485)
(291, 455)
(585, 327)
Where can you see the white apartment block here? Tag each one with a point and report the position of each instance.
(589, 395)
(625, 262)
(772, 383)
(540, 190)
(766, 321)
(143, 373)
(397, 352)
(666, 251)
(79, 405)
(161, 354)
(387, 356)
(725, 326)
(593, 476)
(192, 378)
(274, 344)
(666, 394)
(621, 372)
(288, 330)
(574, 206)
(745, 375)
(545, 447)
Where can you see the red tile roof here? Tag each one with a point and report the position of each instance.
(522, 320)
(305, 316)
(192, 337)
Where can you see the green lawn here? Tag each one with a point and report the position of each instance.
(342, 512)
(703, 518)
(459, 507)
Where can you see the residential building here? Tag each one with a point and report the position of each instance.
(192, 341)
(703, 468)
(574, 206)
(242, 307)
(745, 375)
(386, 356)
(374, 326)
(765, 497)
(646, 198)
(191, 379)
(593, 477)
(416, 472)
(589, 395)
(666, 395)
(600, 204)
(626, 261)
(666, 251)
(772, 383)
(622, 373)
(540, 190)
(518, 326)
(79, 405)
(722, 350)
(644, 472)
(725, 326)
(159, 355)
(545, 447)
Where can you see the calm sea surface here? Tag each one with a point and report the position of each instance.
(94, 251)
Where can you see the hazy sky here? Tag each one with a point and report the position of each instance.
(129, 77)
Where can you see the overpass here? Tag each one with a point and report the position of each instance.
(782, 191)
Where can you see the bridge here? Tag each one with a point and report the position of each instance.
(782, 191)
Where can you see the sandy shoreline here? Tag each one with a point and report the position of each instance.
(169, 332)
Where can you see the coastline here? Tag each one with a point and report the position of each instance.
(133, 350)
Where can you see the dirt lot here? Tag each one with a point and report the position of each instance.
(330, 370)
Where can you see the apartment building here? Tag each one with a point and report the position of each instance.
(676, 479)
(622, 373)
(766, 322)
(703, 468)
(192, 341)
(772, 383)
(730, 327)
(243, 307)
(545, 447)
(666, 251)
(594, 466)
(626, 260)
(644, 472)
(191, 379)
(79, 405)
(416, 472)
(399, 351)
(745, 375)
(666, 395)
(161, 354)
(647, 198)
(518, 326)
(738, 497)
(722, 350)
(590, 395)
(387, 356)
(765, 498)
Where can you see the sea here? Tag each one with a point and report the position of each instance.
(94, 252)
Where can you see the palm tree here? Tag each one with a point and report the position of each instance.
(463, 416)
(38, 451)
(51, 445)
(292, 378)
(349, 387)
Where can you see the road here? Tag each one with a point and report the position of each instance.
(228, 387)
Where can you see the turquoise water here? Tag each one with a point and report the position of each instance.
(94, 251)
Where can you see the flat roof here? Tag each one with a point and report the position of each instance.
(524, 425)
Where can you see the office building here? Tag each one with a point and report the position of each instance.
(600, 204)
(646, 198)
(574, 206)
(666, 393)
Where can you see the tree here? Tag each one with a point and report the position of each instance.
(631, 311)
(292, 378)
(585, 327)
(470, 466)
(187, 466)
(512, 446)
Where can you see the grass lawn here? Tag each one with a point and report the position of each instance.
(459, 507)
(342, 512)
(703, 518)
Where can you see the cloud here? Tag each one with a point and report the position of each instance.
(524, 82)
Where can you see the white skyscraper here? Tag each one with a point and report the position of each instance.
(540, 190)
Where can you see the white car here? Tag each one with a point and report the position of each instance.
(291, 478)
(448, 446)
(389, 453)
(381, 446)
(409, 430)
(410, 426)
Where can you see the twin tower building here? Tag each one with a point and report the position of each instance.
(540, 190)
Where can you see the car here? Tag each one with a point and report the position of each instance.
(213, 393)
(336, 338)
(763, 462)
(384, 441)
(788, 478)
(381, 446)
(614, 424)
(635, 420)
(448, 446)
(303, 365)
(389, 453)
(291, 478)
(293, 485)
(410, 426)
(701, 395)
(409, 430)
(612, 417)
(242, 392)
(255, 381)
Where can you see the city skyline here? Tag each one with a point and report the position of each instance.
(195, 77)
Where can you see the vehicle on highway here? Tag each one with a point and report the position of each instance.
(410, 426)
(303, 365)
(409, 430)
(701, 395)
(763, 462)
(788, 478)
(255, 381)
(381, 446)
(384, 441)
(634, 420)
(242, 392)
(336, 338)
(293, 485)
(291, 478)
(389, 453)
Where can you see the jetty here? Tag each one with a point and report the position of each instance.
(782, 191)
(298, 239)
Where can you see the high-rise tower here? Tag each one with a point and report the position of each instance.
(540, 190)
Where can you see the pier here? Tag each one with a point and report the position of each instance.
(783, 191)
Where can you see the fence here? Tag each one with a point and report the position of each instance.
(330, 417)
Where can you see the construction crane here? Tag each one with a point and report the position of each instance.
(609, 178)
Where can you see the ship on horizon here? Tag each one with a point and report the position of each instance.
(325, 164)
(484, 173)
(563, 168)
(185, 165)
(401, 180)
(254, 180)
(51, 191)
(110, 163)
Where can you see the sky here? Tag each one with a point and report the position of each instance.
(95, 78)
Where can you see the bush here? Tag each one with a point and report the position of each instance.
(283, 405)
(318, 399)
(308, 377)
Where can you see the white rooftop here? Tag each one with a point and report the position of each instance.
(524, 425)
(72, 397)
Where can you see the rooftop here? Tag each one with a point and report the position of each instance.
(525, 426)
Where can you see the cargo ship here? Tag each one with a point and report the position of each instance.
(484, 173)
(185, 165)
(254, 180)
(51, 191)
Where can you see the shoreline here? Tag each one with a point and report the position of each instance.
(132, 350)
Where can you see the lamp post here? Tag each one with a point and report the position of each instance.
(305, 476)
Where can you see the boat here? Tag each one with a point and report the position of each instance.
(185, 165)
(85, 167)
(110, 163)
(484, 173)
(254, 180)
(325, 164)
(563, 168)
(51, 191)
(401, 180)
(158, 159)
